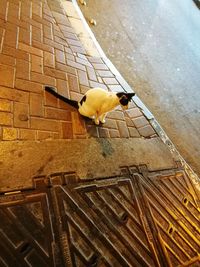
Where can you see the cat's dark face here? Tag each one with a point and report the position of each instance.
(124, 99)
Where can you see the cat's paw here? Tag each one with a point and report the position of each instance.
(103, 121)
(96, 122)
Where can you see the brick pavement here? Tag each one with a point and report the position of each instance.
(38, 46)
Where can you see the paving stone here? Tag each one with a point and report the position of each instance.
(47, 11)
(123, 129)
(10, 38)
(73, 83)
(14, 95)
(51, 43)
(30, 49)
(76, 96)
(27, 134)
(37, 18)
(25, 9)
(70, 35)
(7, 76)
(134, 112)
(79, 127)
(68, 50)
(32, 21)
(140, 121)
(37, 34)
(67, 130)
(116, 88)
(114, 133)
(99, 66)
(62, 20)
(43, 47)
(37, 9)
(103, 132)
(5, 105)
(83, 57)
(129, 122)
(10, 134)
(118, 115)
(62, 87)
(21, 115)
(65, 106)
(49, 59)
(12, 24)
(91, 74)
(132, 105)
(74, 42)
(110, 123)
(66, 30)
(43, 135)
(58, 114)
(36, 64)
(78, 49)
(24, 36)
(75, 65)
(83, 62)
(44, 124)
(60, 40)
(69, 57)
(51, 100)
(48, 31)
(65, 68)
(146, 131)
(83, 79)
(7, 60)
(43, 79)
(95, 60)
(16, 53)
(28, 86)
(6, 118)
(105, 73)
(13, 10)
(60, 56)
(23, 69)
(110, 81)
(57, 135)
(55, 73)
(133, 132)
(36, 105)
(96, 84)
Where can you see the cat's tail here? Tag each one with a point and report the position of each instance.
(52, 91)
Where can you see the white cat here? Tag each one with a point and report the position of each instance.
(97, 102)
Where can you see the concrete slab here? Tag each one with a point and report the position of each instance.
(20, 161)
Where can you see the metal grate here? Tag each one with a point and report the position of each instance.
(138, 219)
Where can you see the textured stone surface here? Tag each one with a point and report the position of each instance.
(127, 220)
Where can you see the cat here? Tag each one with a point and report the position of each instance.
(96, 103)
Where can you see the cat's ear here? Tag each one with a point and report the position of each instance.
(120, 94)
(130, 95)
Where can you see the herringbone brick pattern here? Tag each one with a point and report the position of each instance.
(38, 47)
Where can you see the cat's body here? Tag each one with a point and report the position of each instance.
(97, 102)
